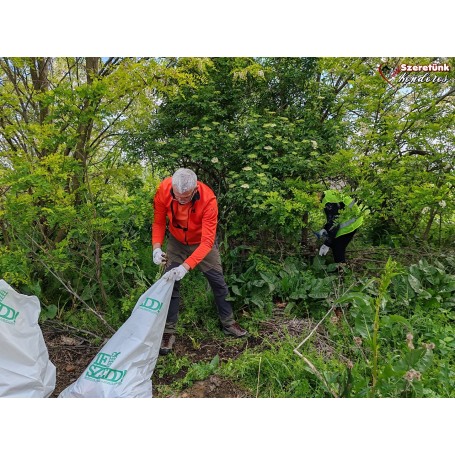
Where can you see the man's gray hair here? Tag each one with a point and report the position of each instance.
(184, 180)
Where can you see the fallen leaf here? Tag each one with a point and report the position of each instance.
(69, 341)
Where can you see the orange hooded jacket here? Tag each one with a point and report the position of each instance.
(193, 223)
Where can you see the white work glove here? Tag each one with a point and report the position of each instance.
(177, 273)
(323, 250)
(159, 257)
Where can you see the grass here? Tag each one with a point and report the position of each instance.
(268, 367)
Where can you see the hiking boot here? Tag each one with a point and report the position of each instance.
(167, 342)
(234, 330)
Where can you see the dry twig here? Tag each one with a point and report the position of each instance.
(313, 368)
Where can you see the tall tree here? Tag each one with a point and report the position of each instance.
(61, 167)
(250, 130)
(399, 154)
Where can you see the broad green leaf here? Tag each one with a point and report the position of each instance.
(357, 297)
(415, 283)
(215, 362)
(235, 290)
(396, 318)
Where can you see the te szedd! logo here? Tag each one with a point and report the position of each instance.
(7, 314)
(151, 305)
(412, 74)
(100, 369)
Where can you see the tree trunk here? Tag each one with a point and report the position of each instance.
(304, 243)
(39, 70)
(98, 266)
(84, 130)
(5, 235)
(429, 223)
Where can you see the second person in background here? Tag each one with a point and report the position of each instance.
(343, 218)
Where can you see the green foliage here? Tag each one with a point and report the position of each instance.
(257, 146)
(200, 371)
(398, 156)
(197, 308)
(424, 286)
(265, 282)
(14, 266)
(276, 372)
(48, 313)
(85, 141)
(171, 365)
(405, 348)
(405, 352)
(251, 289)
(74, 213)
(182, 366)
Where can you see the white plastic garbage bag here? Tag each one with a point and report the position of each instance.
(124, 365)
(25, 368)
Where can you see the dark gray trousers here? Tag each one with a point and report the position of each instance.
(210, 266)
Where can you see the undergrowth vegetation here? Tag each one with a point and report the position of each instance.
(390, 335)
(85, 141)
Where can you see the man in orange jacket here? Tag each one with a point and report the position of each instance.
(192, 211)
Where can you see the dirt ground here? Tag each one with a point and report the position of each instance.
(71, 354)
(71, 357)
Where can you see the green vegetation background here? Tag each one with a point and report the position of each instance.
(85, 141)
